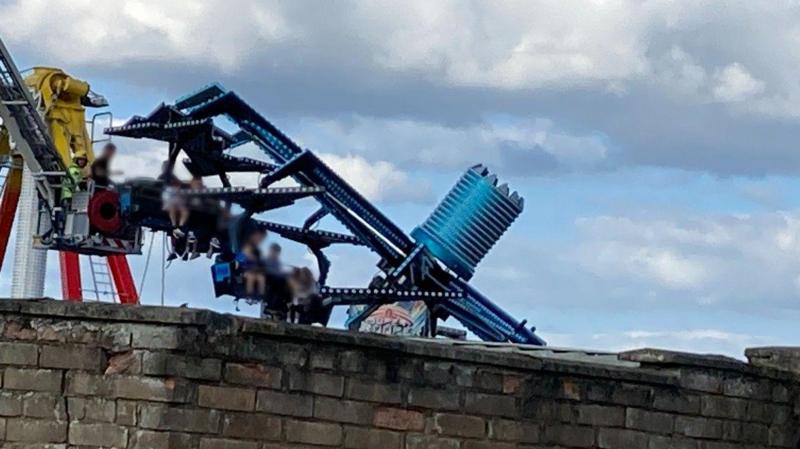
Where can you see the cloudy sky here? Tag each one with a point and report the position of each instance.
(654, 140)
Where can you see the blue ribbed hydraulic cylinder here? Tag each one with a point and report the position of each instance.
(469, 221)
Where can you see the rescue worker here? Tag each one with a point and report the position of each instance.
(69, 185)
(100, 171)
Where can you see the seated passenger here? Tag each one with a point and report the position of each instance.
(303, 287)
(251, 265)
(272, 264)
(175, 207)
(100, 171)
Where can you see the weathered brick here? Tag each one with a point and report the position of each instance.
(162, 337)
(253, 375)
(32, 380)
(91, 409)
(18, 354)
(599, 415)
(438, 373)
(731, 430)
(292, 355)
(621, 439)
(321, 434)
(361, 438)
(165, 364)
(127, 362)
(701, 381)
(747, 388)
(512, 384)
(505, 430)
(226, 398)
(251, 426)
(441, 400)
(755, 433)
(490, 404)
(385, 393)
(473, 444)
(126, 413)
(86, 384)
(782, 436)
(98, 434)
(674, 442)
(290, 404)
(420, 441)
(491, 381)
(352, 361)
(221, 443)
(398, 419)
(10, 403)
(656, 422)
(317, 383)
(459, 425)
(147, 439)
(36, 430)
(44, 405)
(677, 402)
(72, 357)
(698, 427)
(160, 417)
(151, 389)
(572, 436)
(352, 412)
(322, 359)
(723, 407)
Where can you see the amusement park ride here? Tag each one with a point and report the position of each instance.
(430, 267)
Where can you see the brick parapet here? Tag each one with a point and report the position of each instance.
(99, 375)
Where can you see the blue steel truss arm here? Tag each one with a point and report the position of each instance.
(486, 319)
(314, 218)
(281, 149)
(308, 237)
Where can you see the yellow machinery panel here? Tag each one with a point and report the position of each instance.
(60, 97)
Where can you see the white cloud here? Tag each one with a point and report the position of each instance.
(509, 145)
(747, 260)
(181, 31)
(378, 181)
(510, 45)
(734, 83)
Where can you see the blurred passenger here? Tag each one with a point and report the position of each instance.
(303, 287)
(273, 264)
(100, 171)
(251, 264)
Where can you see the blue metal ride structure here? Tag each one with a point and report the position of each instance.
(433, 264)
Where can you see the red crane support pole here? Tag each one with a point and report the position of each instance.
(123, 280)
(70, 276)
(8, 206)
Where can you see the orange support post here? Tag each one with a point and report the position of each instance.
(8, 205)
(70, 276)
(123, 280)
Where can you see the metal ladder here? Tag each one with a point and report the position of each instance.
(101, 278)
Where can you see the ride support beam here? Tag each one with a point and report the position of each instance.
(123, 279)
(8, 205)
(70, 265)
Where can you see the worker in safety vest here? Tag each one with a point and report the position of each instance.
(70, 184)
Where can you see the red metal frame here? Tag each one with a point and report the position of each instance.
(8, 206)
(123, 280)
(70, 276)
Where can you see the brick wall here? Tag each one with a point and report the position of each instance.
(95, 375)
